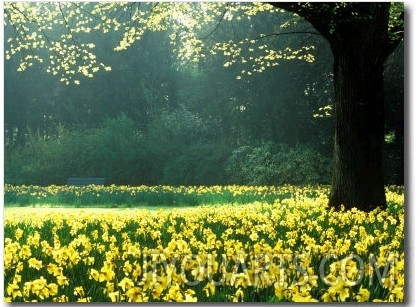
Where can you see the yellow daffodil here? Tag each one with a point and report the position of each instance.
(125, 284)
(303, 297)
(135, 295)
(14, 290)
(18, 234)
(209, 289)
(53, 289)
(340, 289)
(79, 291)
(25, 252)
(254, 236)
(363, 295)
(279, 289)
(34, 263)
(62, 280)
(397, 294)
(239, 296)
(189, 296)
(114, 296)
(107, 273)
(61, 299)
(94, 274)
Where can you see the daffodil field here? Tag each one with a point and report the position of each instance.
(284, 244)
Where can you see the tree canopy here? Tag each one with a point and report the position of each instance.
(54, 34)
(247, 38)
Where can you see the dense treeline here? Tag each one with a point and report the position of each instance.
(157, 119)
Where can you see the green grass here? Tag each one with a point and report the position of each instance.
(127, 196)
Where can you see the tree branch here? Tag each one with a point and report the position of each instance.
(317, 17)
(286, 33)
(216, 27)
(262, 36)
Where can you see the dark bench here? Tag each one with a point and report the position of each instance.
(85, 181)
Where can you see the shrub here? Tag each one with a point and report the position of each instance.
(276, 164)
(200, 164)
(113, 150)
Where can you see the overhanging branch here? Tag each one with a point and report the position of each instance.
(216, 27)
(286, 33)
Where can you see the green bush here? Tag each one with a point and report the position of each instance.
(277, 164)
(114, 151)
(200, 164)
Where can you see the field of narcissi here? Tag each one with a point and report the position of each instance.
(204, 244)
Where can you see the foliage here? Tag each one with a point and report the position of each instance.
(394, 117)
(65, 40)
(178, 127)
(56, 28)
(291, 250)
(96, 152)
(278, 164)
(201, 164)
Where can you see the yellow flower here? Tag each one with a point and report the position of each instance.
(14, 290)
(25, 252)
(128, 267)
(107, 274)
(18, 234)
(209, 289)
(341, 289)
(83, 300)
(126, 283)
(54, 269)
(174, 294)
(53, 289)
(39, 287)
(303, 297)
(137, 270)
(62, 280)
(192, 232)
(388, 282)
(115, 296)
(61, 299)
(326, 297)
(189, 296)
(28, 288)
(254, 236)
(89, 260)
(239, 296)
(79, 291)
(109, 287)
(158, 288)
(363, 295)
(134, 295)
(94, 274)
(397, 294)
(279, 289)
(17, 278)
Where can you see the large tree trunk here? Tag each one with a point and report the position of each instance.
(359, 56)
(359, 130)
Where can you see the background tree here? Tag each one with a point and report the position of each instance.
(244, 44)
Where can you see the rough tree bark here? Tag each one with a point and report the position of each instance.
(359, 128)
(359, 40)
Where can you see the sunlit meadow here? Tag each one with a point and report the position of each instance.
(285, 244)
